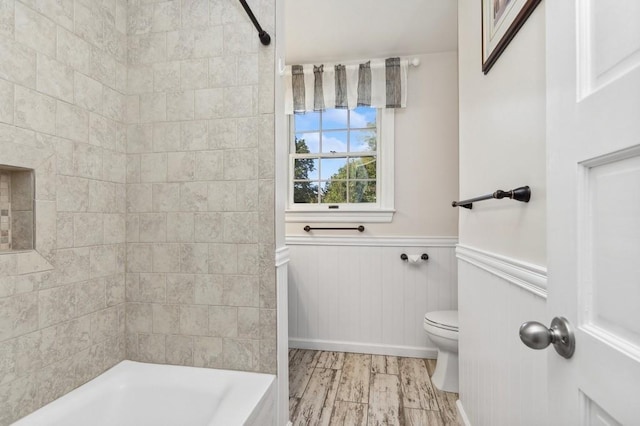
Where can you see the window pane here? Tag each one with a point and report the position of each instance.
(305, 168)
(305, 192)
(307, 121)
(333, 168)
(362, 168)
(335, 119)
(334, 191)
(363, 141)
(307, 143)
(363, 117)
(334, 142)
(362, 191)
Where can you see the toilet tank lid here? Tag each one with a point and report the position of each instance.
(447, 318)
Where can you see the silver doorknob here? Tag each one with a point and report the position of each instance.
(538, 336)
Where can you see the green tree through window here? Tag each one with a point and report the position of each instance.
(304, 192)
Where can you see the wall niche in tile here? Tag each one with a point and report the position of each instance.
(16, 208)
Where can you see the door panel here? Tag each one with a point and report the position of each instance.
(593, 154)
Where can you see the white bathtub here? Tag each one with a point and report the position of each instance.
(138, 394)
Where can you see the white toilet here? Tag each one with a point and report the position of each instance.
(442, 329)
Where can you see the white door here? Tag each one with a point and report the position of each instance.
(593, 121)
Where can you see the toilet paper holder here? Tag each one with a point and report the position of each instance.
(404, 257)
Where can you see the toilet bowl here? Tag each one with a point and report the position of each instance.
(442, 329)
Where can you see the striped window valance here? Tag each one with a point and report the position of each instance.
(377, 83)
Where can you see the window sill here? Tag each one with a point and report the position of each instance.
(370, 216)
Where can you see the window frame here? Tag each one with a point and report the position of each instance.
(380, 212)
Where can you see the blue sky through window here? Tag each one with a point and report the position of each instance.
(336, 140)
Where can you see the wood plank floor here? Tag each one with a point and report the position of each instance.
(337, 388)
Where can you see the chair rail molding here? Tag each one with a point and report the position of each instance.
(530, 277)
(370, 241)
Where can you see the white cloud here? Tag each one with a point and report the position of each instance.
(333, 144)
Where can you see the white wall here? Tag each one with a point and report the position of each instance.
(426, 154)
(502, 138)
(363, 298)
(502, 145)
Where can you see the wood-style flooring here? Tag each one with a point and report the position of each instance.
(337, 388)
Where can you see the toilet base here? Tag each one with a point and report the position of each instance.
(445, 376)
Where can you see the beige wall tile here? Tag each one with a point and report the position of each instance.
(90, 296)
(194, 258)
(181, 288)
(194, 74)
(166, 197)
(179, 350)
(208, 227)
(166, 319)
(166, 16)
(223, 259)
(209, 103)
(241, 354)
(6, 101)
(180, 227)
(72, 122)
(223, 71)
(87, 92)
(153, 227)
(56, 305)
(166, 257)
(18, 63)
(151, 348)
(209, 289)
(102, 131)
(7, 10)
(181, 166)
(60, 12)
(223, 133)
(194, 320)
(166, 76)
(72, 194)
(241, 290)
(34, 110)
(73, 51)
(193, 196)
(224, 321)
(139, 138)
(207, 352)
(35, 30)
(54, 78)
(153, 107)
(84, 225)
(194, 135)
(222, 196)
(88, 24)
(153, 167)
(180, 105)
(240, 164)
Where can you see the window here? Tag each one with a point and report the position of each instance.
(341, 166)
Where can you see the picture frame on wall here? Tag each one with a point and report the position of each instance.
(501, 21)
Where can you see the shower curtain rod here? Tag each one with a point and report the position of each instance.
(262, 34)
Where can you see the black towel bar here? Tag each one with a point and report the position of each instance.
(519, 194)
(359, 228)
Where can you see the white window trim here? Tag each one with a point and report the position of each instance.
(382, 212)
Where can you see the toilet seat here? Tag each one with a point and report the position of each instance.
(445, 320)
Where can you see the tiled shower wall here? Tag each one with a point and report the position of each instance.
(200, 188)
(159, 120)
(62, 96)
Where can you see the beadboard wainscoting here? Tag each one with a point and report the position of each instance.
(355, 294)
(502, 382)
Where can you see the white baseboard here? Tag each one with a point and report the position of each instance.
(364, 348)
(462, 416)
